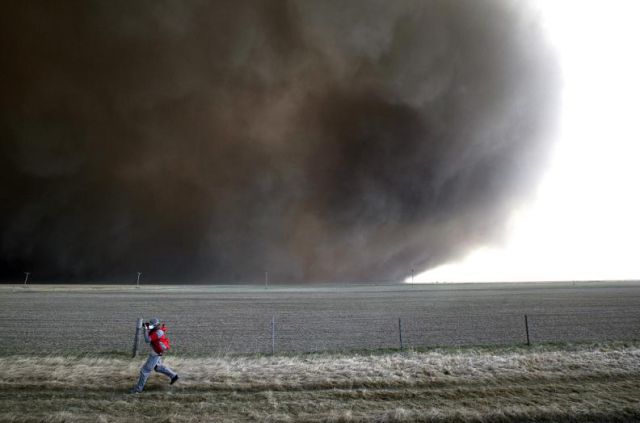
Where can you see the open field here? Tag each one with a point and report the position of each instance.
(220, 319)
(65, 353)
(585, 382)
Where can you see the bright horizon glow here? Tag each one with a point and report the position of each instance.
(584, 223)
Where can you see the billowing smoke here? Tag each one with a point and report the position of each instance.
(211, 141)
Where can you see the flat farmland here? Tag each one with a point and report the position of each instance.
(48, 319)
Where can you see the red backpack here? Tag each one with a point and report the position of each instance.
(159, 340)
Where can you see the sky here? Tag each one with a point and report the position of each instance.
(584, 222)
(215, 141)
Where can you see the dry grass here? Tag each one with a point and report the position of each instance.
(585, 383)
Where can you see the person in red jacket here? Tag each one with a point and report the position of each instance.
(155, 335)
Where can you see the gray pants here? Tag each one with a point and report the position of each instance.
(154, 362)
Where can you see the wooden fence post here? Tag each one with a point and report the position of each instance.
(526, 326)
(273, 335)
(136, 338)
(400, 332)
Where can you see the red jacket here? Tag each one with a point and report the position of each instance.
(159, 340)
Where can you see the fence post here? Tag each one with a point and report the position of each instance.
(400, 332)
(526, 326)
(136, 338)
(273, 335)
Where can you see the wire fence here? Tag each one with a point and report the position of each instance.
(289, 333)
(203, 323)
(297, 333)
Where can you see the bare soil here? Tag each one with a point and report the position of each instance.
(237, 319)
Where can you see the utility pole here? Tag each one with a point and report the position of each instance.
(26, 277)
(138, 280)
(412, 272)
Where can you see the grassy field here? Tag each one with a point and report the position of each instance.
(587, 382)
(570, 383)
(65, 351)
(207, 320)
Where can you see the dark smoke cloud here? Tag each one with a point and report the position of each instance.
(210, 141)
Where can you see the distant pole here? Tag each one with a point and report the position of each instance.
(266, 280)
(273, 335)
(400, 332)
(412, 272)
(138, 280)
(526, 326)
(26, 277)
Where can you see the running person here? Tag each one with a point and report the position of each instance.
(155, 335)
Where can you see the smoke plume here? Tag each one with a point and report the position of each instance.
(214, 141)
